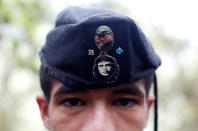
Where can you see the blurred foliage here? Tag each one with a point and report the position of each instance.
(19, 22)
(20, 42)
(178, 83)
(114, 5)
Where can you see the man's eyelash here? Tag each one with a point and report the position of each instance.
(125, 101)
(70, 100)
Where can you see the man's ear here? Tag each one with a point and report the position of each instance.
(43, 106)
(150, 101)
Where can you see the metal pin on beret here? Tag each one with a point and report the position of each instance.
(97, 48)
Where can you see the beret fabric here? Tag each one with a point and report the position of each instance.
(70, 52)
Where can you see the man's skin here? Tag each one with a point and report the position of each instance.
(121, 108)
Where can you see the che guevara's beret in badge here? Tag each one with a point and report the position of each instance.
(93, 48)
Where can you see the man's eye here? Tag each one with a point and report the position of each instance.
(125, 102)
(72, 102)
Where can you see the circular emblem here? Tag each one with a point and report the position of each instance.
(119, 50)
(106, 69)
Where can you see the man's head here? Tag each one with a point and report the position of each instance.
(96, 73)
(124, 107)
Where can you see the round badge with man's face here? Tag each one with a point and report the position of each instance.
(106, 69)
(104, 38)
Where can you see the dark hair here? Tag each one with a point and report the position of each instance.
(46, 82)
(149, 79)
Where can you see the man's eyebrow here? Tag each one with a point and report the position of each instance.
(131, 90)
(63, 90)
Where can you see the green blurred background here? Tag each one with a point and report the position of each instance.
(171, 26)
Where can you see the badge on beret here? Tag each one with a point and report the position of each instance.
(104, 38)
(105, 67)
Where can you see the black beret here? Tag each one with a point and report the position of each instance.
(92, 48)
